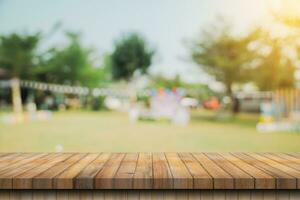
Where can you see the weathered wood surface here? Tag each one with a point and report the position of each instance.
(149, 194)
(252, 171)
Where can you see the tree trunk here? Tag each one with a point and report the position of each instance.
(16, 99)
(230, 95)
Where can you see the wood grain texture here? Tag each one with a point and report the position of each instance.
(45, 179)
(283, 180)
(24, 180)
(123, 178)
(143, 176)
(201, 178)
(162, 176)
(149, 194)
(262, 179)
(222, 180)
(85, 180)
(104, 179)
(65, 180)
(181, 176)
(242, 179)
(209, 171)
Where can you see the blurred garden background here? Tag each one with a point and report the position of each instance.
(138, 76)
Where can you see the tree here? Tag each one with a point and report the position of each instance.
(224, 56)
(18, 55)
(273, 68)
(288, 14)
(160, 81)
(18, 59)
(70, 65)
(131, 53)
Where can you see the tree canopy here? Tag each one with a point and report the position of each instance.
(224, 56)
(70, 65)
(274, 69)
(18, 56)
(131, 53)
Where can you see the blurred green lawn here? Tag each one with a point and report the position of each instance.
(112, 132)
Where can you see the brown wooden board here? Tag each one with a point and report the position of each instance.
(262, 179)
(143, 176)
(283, 180)
(24, 180)
(45, 179)
(181, 175)
(105, 178)
(242, 179)
(162, 176)
(201, 178)
(212, 171)
(123, 178)
(85, 180)
(65, 180)
(222, 180)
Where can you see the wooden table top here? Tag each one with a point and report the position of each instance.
(150, 171)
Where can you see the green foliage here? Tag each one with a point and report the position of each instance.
(199, 91)
(131, 53)
(273, 69)
(162, 82)
(224, 56)
(70, 65)
(98, 103)
(18, 57)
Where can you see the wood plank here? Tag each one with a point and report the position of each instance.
(2, 154)
(123, 179)
(283, 159)
(85, 195)
(161, 172)
(45, 179)
(181, 176)
(85, 180)
(222, 180)
(104, 179)
(296, 155)
(201, 179)
(62, 195)
(207, 195)
(262, 179)
(145, 195)
(288, 157)
(257, 194)
(242, 180)
(219, 195)
(66, 179)
(283, 180)
(15, 161)
(4, 194)
(132, 195)
(150, 171)
(143, 175)
(232, 194)
(24, 180)
(98, 195)
(244, 195)
(8, 156)
(21, 195)
(294, 195)
(195, 194)
(282, 195)
(269, 195)
(6, 176)
(288, 170)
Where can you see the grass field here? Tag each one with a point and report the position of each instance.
(110, 131)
